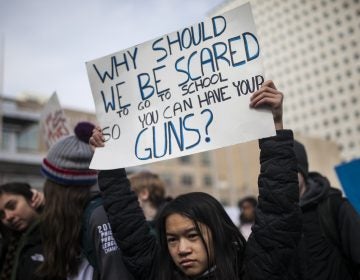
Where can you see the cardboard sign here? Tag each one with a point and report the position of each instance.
(349, 176)
(53, 121)
(182, 93)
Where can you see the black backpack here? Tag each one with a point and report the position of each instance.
(87, 244)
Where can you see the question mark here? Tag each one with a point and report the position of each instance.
(207, 139)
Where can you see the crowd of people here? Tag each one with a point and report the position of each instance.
(106, 224)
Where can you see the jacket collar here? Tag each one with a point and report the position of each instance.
(207, 275)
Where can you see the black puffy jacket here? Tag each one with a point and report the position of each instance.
(275, 233)
(327, 252)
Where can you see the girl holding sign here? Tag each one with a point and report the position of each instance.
(196, 238)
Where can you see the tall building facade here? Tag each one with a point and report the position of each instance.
(311, 49)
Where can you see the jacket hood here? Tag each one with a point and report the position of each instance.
(317, 189)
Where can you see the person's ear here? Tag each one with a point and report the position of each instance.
(37, 200)
(144, 195)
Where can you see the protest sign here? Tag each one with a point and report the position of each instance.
(182, 93)
(349, 176)
(53, 122)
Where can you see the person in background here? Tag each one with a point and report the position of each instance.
(197, 239)
(21, 247)
(330, 244)
(78, 241)
(150, 190)
(247, 206)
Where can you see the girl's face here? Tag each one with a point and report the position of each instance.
(15, 212)
(185, 245)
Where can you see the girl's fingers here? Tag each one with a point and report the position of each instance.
(275, 99)
(269, 83)
(262, 90)
(96, 140)
(268, 101)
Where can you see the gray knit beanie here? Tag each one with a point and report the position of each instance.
(68, 160)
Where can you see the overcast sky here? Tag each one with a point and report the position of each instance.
(47, 42)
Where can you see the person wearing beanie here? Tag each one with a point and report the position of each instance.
(330, 244)
(77, 238)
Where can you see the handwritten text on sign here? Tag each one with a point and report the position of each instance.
(182, 93)
(54, 122)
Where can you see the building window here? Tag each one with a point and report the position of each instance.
(185, 159)
(20, 138)
(168, 179)
(208, 182)
(7, 141)
(205, 159)
(186, 180)
(28, 139)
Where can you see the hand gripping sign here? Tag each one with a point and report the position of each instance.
(179, 94)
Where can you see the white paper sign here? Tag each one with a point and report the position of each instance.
(53, 121)
(182, 93)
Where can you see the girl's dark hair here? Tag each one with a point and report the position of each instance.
(250, 199)
(61, 229)
(227, 242)
(17, 188)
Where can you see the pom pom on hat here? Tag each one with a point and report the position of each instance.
(68, 160)
(83, 131)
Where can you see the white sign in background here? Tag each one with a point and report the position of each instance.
(54, 122)
(182, 93)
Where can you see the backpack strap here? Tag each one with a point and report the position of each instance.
(87, 244)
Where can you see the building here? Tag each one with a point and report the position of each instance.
(311, 49)
(21, 145)
(2, 50)
(19, 157)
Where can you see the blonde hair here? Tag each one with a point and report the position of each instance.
(151, 182)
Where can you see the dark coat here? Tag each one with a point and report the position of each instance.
(319, 257)
(98, 244)
(29, 254)
(275, 233)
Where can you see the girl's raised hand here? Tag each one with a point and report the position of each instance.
(268, 96)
